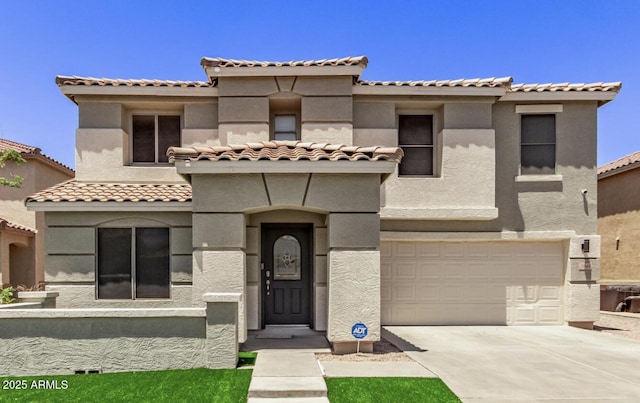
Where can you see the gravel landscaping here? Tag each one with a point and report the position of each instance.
(621, 324)
(382, 351)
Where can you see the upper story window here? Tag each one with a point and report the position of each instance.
(415, 136)
(153, 135)
(284, 127)
(538, 144)
(133, 263)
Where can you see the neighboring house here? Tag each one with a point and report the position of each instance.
(619, 228)
(21, 246)
(327, 200)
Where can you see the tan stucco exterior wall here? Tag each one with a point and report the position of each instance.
(37, 173)
(619, 227)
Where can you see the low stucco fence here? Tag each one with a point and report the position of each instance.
(67, 341)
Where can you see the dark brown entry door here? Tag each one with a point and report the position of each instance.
(286, 275)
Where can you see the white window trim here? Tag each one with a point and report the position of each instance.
(155, 113)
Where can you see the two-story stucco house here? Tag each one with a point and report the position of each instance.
(327, 200)
(22, 251)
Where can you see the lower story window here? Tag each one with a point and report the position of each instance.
(133, 263)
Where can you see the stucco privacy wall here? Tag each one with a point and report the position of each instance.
(63, 341)
(71, 256)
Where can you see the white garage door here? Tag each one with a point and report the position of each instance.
(465, 283)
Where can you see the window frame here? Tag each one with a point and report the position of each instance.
(433, 146)
(132, 260)
(296, 131)
(555, 144)
(291, 106)
(155, 114)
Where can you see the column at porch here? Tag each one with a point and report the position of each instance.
(353, 279)
(219, 259)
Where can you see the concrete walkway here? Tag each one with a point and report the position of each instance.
(286, 369)
(526, 364)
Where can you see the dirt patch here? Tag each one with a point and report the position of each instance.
(382, 351)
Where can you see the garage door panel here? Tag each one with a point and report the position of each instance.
(549, 315)
(428, 250)
(404, 271)
(452, 249)
(404, 250)
(386, 268)
(476, 250)
(430, 271)
(550, 293)
(524, 293)
(385, 293)
(428, 293)
(403, 293)
(452, 271)
(516, 283)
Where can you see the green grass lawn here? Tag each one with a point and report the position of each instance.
(191, 385)
(361, 390)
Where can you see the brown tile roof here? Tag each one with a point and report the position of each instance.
(116, 82)
(344, 61)
(4, 224)
(567, 87)
(626, 161)
(73, 191)
(285, 150)
(31, 150)
(463, 82)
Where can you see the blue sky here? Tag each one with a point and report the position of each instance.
(533, 41)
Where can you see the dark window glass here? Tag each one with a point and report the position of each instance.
(168, 135)
(538, 144)
(415, 130)
(417, 161)
(152, 263)
(114, 263)
(144, 134)
(415, 136)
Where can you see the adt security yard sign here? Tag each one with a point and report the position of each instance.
(359, 330)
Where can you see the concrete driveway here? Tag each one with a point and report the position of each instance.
(525, 364)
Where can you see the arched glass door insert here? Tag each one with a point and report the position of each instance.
(286, 258)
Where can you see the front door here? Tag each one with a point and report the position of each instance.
(286, 273)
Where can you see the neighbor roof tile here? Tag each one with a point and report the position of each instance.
(620, 163)
(285, 150)
(8, 224)
(26, 149)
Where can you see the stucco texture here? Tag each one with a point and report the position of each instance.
(619, 227)
(354, 294)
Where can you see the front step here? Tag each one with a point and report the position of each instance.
(287, 387)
